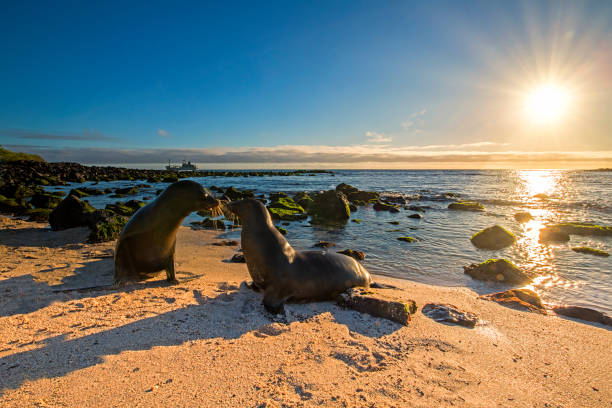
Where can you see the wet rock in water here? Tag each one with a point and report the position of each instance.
(204, 213)
(495, 237)
(216, 189)
(354, 253)
(324, 244)
(406, 239)
(226, 242)
(466, 206)
(380, 206)
(553, 234)
(356, 220)
(356, 196)
(347, 189)
(70, 213)
(126, 191)
(238, 258)
(592, 251)
(583, 313)
(582, 228)
(207, 223)
(286, 215)
(78, 193)
(523, 217)
(541, 196)
(286, 203)
(234, 194)
(419, 208)
(522, 299)
(450, 314)
(91, 191)
(282, 230)
(330, 206)
(366, 301)
(303, 200)
(282, 207)
(499, 270)
(121, 209)
(415, 216)
(171, 178)
(15, 206)
(394, 222)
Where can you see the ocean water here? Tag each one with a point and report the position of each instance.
(443, 244)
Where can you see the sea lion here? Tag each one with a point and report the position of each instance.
(146, 243)
(284, 273)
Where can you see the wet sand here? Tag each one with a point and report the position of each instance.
(208, 341)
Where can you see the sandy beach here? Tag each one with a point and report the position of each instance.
(209, 342)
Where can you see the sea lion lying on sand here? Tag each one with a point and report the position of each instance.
(285, 274)
(147, 241)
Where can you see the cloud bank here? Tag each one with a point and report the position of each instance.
(87, 135)
(364, 156)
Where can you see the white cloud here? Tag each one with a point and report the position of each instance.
(414, 119)
(408, 124)
(163, 133)
(375, 137)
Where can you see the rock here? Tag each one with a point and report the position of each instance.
(39, 214)
(363, 197)
(592, 251)
(13, 205)
(583, 313)
(346, 189)
(106, 226)
(286, 215)
(234, 194)
(353, 253)
(282, 230)
(466, 206)
(380, 206)
(70, 212)
(226, 242)
(330, 206)
(238, 258)
(286, 203)
(498, 270)
(394, 222)
(418, 208)
(449, 314)
(356, 220)
(553, 234)
(523, 217)
(91, 191)
(415, 216)
(126, 191)
(171, 178)
(207, 223)
(303, 200)
(77, 193)
(45, 200)
(495, 237)
(406, 239)
(585, 229)
(120, 209)
(522, 299)
(324, 244)
(366, 301)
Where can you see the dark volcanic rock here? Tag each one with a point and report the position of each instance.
(238, 258)
(523, 217)
(106, 226)
(354, 253)
(70, 213)
(234, 194)
(552, 234)
(415, 216)
(466, 206)
(330, 206)
(449, 314)
(380, 206)
(45, 200)
(499, 270)
(583, 313)
(324, 244)
(495, 237)
(366, 301)
(207, 223)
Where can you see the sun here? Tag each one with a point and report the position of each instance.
(547, 104)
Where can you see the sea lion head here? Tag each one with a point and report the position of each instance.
(192, 195)
(248, 210)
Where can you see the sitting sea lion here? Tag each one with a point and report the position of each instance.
(147, 241)
(285, 274)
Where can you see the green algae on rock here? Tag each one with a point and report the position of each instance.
(499, 270)
(495, 237)
(406, 239)
(330, 206)
(466, 206)
(589, 250)
(523, 217)
(582, 228)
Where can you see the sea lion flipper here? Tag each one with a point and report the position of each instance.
(273, 302)
(170, 274)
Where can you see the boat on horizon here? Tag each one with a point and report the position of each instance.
(185, 166)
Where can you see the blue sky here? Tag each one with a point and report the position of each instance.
(377, 82)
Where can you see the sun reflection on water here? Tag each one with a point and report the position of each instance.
(534, 187)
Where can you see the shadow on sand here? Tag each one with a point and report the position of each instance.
(230, 315)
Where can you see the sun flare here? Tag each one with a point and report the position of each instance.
(547, 104)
